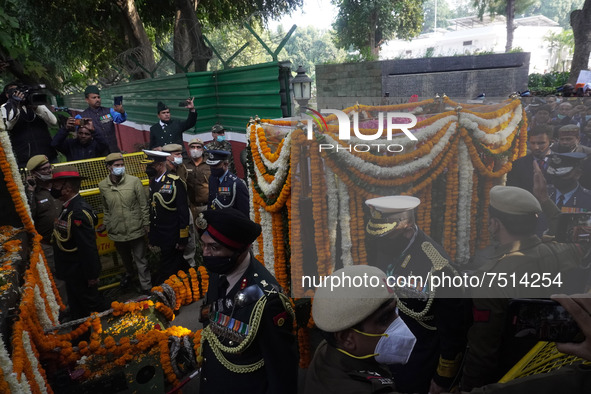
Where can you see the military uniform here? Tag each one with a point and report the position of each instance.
(437, 317)
(492, 350)
(77, 258)
(225, 146)
(169, 222)
(230, 191)
(198, 186)
(249, 346)
(333, 372)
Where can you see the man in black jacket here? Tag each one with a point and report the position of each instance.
(74, 245)
(88, 144)
(248, 344)
(170, 131)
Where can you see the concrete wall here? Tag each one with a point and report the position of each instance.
(342, 85)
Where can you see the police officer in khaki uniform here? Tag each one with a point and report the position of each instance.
(362, 332)
(438, 317)
(169, 215)
(197, 177)
(218, 133)
(45, 209)
(519, 252)
(248, 341)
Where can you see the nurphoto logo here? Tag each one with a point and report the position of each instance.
(345, 126)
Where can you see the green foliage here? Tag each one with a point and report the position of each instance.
(444, 13)
(366, 24)
(551, 80)
(498, 7)
(557, 10)
(516, 50)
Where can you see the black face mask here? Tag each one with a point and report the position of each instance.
(220, 264)
(563, 184)
(151, 172)
(217, 172)
(55, 193)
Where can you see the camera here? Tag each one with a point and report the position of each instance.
(32, 94)
(81, 121)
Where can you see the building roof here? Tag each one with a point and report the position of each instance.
(471, 22)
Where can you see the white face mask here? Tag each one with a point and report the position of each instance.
(118, 171)
(396, 345)
(196, 153)
(178, 160)
(43, 177)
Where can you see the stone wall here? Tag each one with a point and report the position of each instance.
(342, 85)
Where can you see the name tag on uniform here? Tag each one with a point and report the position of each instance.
(166, 188)
(42, 201)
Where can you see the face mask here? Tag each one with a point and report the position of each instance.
(587, 117)
(55, 193)
(217, 172)
(178, 160)
(42, 177)
(196, 153)
(118, 171)
(396, 345)
(151, 172)
(220, 264)
(221, 138)
(560, 116)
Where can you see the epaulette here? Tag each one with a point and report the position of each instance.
(174, 177)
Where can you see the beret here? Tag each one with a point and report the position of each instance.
(91, 89)
(111, 157)
(513, 200)
(569, 129)
(346, 304)
(161, 106)
(172, 148)
(231, 228)
(36, 161)
(215, 156)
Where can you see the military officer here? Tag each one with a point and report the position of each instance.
(564, 172)
(248, 344)
(44, 210)
(219, 142)
(362, 332)
(74, 245)
(225, 189)
(438, 317)
(174, 162)
(513, 218)
(168, 130)
(169, 215)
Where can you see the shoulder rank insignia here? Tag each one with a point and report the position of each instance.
(405, 261)
(439, 262)
(173, 177)
(279, 320)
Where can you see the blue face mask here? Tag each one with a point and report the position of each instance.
(118, 171)
(221, 138)
(587, 117)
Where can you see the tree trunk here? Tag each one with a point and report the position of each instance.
(510, 13)
(188, 31)
(144, 54)
(580, 20)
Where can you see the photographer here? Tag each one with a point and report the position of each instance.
(103, 118)
(87, 144)
(26, 121)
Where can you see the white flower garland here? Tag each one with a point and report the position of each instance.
(465, 170)
(48, 289)
(34, 362)
(41, 312)
(345, 224)
(5, 141)
(285, 151)
(405, 169)
(332, 214)
(471, 122)
(9, 376)
(267, 232)
(251, 191)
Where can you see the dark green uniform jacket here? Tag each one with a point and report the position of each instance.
(334, 372)
(249, 346)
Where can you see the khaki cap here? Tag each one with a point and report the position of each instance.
(196, 141)
(111, 157)
(36, 161)
(569, 129)
(513, 200)
(340, 307)
(170, 148)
